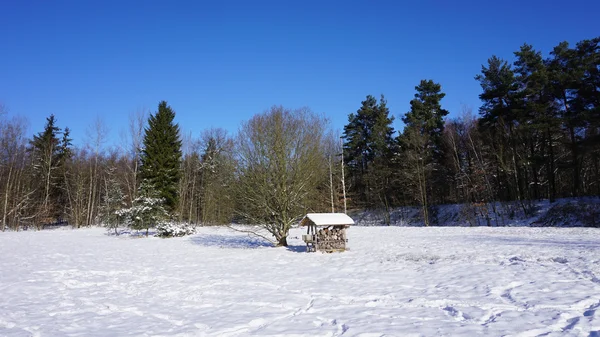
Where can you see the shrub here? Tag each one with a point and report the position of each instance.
(172, 229)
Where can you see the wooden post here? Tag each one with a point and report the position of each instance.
(343, 179)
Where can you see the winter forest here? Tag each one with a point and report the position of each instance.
(535, 136)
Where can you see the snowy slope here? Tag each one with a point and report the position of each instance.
(395, 281)
(567, 212)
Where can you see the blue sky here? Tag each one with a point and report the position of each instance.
(218, 63)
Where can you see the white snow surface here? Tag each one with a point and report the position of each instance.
(394, 281)
(328, 219)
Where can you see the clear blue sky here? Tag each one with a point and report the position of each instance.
(219, 62)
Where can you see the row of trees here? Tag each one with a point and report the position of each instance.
(538, 136)
(274, 170)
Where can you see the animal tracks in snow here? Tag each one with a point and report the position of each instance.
(414, 281)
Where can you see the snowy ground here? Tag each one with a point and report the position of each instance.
(394, 281)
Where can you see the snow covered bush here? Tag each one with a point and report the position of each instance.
(172, 229)
(147, 211)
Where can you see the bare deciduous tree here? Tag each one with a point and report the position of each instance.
(217, 170)
(281, 165)
(133, 145)
(12, 157)
(96, 136)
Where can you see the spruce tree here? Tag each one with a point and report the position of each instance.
(49, 155)
(65, 155)
(161, 155)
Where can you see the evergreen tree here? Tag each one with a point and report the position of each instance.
(499, 123)
(161, 155)
(49, 154)
(368, 150)
(586, 108)
(147, 210)
(575, 79)
(538, 121)
(426, 113)
(65, 154)
(421, 141)
(564, 82)
(589, 91)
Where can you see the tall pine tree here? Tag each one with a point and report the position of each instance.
(161, 155)
(368, 148)
(421, 142)
(538, 122)
(499, 121)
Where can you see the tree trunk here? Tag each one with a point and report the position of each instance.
(47, 183)
(344, 182)
(88, 212)
(8, 185)
(423, 189)
(551, 174)
(192, 192)
(282, 241)
(575, 162)
(331, 186)
(534, 172)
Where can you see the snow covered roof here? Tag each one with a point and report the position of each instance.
(327, 219)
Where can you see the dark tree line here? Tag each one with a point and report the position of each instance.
(537, 136)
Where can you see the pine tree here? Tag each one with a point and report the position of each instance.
(368, 150)
(426, 112)
(576, 78)
(588, 52)
(499, 122)
(538, 120)
(421, 141)
(161, 156)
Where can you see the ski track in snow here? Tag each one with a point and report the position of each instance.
(394, 281)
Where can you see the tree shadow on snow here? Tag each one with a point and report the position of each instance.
(229, 241)
(537, 242)
(296, 249)
(126, 232)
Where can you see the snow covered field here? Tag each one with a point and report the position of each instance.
(395, 281)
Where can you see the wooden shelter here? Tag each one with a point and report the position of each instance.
(326, 232)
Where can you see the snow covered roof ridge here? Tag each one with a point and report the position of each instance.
(328, 219)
